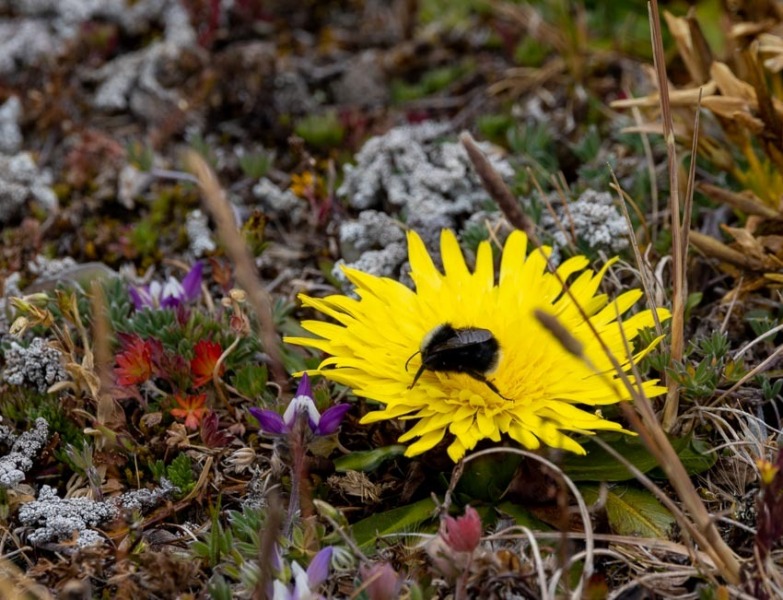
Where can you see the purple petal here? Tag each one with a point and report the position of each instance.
(170, 302)
(331, 419)
(304, 389)
(191, 283)
(318, 570)
(269, 420)
(139, 297)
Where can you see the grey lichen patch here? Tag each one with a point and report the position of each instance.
(57, 519)
(20, 181)
(50, 268)
(280, 203)
(373, 230)
(414, 169)
(199, 234)
(10, 132)
(419, 174)
(24, 43)
(382, 263)
(24, 448)
(592, 217)
(38, 365)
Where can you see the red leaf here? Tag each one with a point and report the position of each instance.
(206, 355)
(134, 364)
(191, 408)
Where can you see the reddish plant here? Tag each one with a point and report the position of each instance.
(191, 408)
(205, 356)
(134, 363)
(211, 434)
(462, 534)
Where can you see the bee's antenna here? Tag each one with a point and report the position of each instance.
(416, 377)
(409, 360)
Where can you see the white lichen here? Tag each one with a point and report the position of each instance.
(24, 448)
(50, 268)
(199, 234)
(373, 230)
(38, 365)
(20, 181)
(414, 169)
(593, 218)
(57, 519)
(279, 202)
(382, 263)
(418, 174)
(10, 133)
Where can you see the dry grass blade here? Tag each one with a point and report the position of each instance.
(695, 51)
(746, 201)
(107, 413)
(717, 249)
(246, 272)
(266, 551)
(15, 585)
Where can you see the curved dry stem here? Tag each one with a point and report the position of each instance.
(587, 571)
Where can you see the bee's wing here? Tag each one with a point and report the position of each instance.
(473, 335)
(463, 338)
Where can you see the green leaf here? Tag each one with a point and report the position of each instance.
(523, 517)
(599, 465)
(368, 460)
(632, 511)
(696, 456)
(250, 380)
(486, 478)
(180, 473)
(404, 519)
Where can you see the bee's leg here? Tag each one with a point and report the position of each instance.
(480, 377)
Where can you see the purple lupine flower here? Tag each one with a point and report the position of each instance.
(302, 404)
(305, 582)
(170, 294)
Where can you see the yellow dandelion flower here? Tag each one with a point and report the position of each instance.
(534, 392)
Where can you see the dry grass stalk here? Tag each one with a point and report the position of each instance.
(648, 157)
(645, 276)
(495, 186)
(246, 272)
(273, 524)
(671, 406)
(107, 413)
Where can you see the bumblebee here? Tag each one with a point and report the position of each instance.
(470, 350)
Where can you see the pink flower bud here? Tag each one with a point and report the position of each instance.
(462, 534)
(383, 583)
